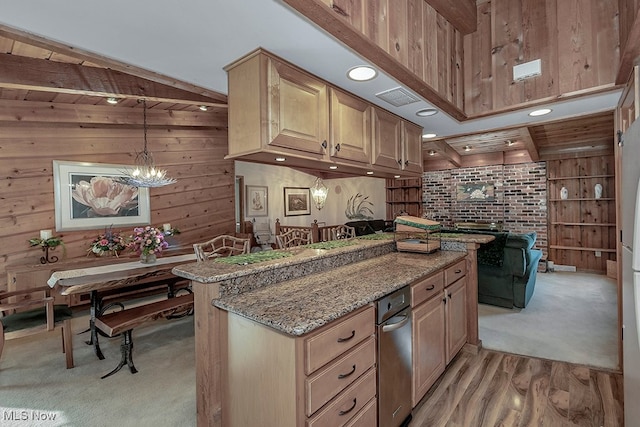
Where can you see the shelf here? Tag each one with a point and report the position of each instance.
(589, 199)
(575, 248)
(580, 177)
(586, 224)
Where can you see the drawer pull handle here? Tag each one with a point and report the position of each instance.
(353, 334)
(458, 271)
(432, 287)
(355, 402)
(348, 374)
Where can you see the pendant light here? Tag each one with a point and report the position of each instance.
(319, 193)
(145, 173)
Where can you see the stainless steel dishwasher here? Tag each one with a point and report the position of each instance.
(394, 359)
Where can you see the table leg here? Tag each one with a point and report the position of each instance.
(95, 308)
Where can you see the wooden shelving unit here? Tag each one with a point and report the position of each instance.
(582, 228)
(404, 195)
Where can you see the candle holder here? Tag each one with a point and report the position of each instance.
(45, 258)
(47, 244)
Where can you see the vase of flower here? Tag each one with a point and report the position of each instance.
(147, 258)
(107, 244)
(148, 242)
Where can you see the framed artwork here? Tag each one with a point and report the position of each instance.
(481, 191)
(257, 201)
(297, 201)
(89, 195)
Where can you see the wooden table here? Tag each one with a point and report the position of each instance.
(105, 279)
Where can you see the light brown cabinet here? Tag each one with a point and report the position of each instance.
(325, 378)
(275, 107)
(439, 320)
(350, 128)
(397, 144)
(279, 110)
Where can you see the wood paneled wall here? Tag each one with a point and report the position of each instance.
(415, 35)
(577, 41)
(191, 146)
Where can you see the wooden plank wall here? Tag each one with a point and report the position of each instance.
(581, 224)
(414, 34)
(190, 145)
(577, 41)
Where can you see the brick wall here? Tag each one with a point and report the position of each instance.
(519, 198)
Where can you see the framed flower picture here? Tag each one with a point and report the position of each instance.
(257, 200)
(89, 196)
(297, 201)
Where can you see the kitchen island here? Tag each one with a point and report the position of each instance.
(297, 295)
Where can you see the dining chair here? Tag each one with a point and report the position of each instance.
(30, 311)
(343, 232)
(293, 238)
(219, 246)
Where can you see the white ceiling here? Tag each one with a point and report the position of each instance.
(193, 40)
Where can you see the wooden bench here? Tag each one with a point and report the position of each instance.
(123, 322)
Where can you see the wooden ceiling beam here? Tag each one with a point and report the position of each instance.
(444, 150)
(462, 14)
(19, 72)
(102, 61)
(335, 24)
(529, 144)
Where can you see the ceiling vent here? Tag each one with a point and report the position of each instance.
(398, 97)
(527, 70)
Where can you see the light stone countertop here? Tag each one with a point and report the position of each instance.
(299, 306)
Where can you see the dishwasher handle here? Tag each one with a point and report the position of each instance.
(388, 327)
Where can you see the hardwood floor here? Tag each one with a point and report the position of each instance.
(506, 390)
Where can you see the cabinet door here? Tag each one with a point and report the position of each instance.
(350, 128)
(428, 337)
(411, 147)
(387, 143)
(297, 110)
(456, 314)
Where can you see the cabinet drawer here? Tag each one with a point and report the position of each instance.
(367, 417)
(456, 271)
(426, 288)
(331, 380)
(348, 403)
(330, 343)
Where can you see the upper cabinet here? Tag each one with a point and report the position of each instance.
(350, 127)
(297, 114)
(397, 144)
(277, 110)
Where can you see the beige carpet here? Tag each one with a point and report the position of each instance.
(35, 384)
(572, 317)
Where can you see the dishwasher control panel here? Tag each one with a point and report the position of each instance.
(393, 303)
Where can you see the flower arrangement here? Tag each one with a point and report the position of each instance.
(147, 240)
(109, 241)
(51, 242)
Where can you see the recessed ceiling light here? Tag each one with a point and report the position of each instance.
(396, 176)
(203, 108)
(362, 73)
(432, 153)
(369, 172)
(426, 112)
(112, 101)
(280, 159)
(540, 112)
(429, 135)
(333, 167)
(467, 148)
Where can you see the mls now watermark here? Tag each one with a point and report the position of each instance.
(30, 415)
